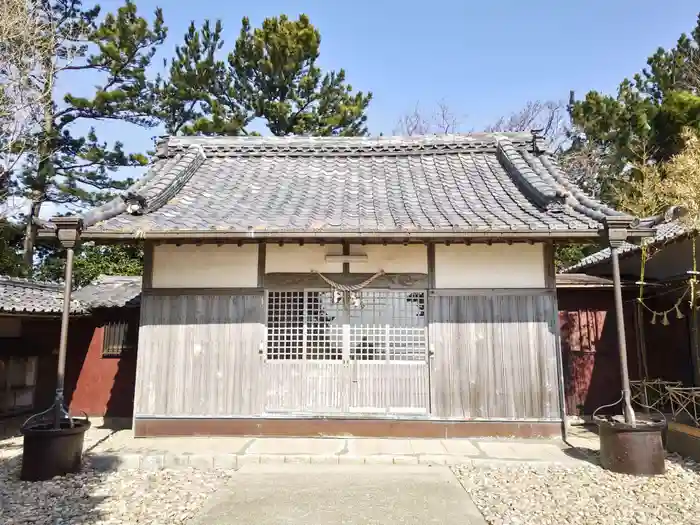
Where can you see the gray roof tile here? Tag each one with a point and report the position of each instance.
(110, 291)
(27, 296)
(663, 233)
(354, 186)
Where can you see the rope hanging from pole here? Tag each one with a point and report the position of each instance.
(693, 279)
(690, 290)
(641, 273)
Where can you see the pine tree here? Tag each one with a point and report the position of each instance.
(10, 245)
(278, 79)
(198, 96)
(650, 111)
(271, 74)
(63, 165)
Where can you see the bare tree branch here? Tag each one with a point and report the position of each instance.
(441, 121)
(26, 79)
(587, 166)
(550, 117)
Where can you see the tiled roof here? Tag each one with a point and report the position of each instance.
(663, 233)
(386, 186)
(582, 280)
(109, 291)
(26, 296)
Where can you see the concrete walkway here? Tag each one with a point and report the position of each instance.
(341, 494)
(118, 449)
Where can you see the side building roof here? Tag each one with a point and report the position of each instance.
(33, 297)
(36, 297)
(663, 233)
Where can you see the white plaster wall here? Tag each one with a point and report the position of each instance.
(495, 266)
(293, 258)
(205, 266)
(411, 258)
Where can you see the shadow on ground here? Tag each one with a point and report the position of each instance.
(74, 499)
(584, 454)
(116, 423)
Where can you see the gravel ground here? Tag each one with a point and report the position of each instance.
(584, 495)
(94, 498)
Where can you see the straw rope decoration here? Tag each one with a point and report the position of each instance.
(689, 291)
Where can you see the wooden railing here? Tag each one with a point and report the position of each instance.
(653, 394)
(685, 403)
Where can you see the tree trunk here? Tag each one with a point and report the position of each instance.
(45, 152)
(30, 236)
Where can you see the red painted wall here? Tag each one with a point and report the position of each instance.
(96, 385)
(589, 348)
(590, 355)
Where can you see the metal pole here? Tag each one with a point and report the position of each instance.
(621, 340)
(63, 345)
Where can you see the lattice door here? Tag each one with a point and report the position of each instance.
(305, 357)
(388, 353)
(332, 352)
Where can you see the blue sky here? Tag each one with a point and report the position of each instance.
(483, 59)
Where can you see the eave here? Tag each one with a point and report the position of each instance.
(391, 236)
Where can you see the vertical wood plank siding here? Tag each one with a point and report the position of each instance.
(199, 355)
(389, 388)
(312, 387)
(495, 357)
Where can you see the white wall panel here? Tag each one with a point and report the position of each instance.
(484, 266)
(411, 258)
(205, 266)
(293, 258)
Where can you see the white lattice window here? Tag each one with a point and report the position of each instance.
(366, 325)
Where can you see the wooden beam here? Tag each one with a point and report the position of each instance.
(431, 265)
(262, 258)
(357, 258)
(147, 279)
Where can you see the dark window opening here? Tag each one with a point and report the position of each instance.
(119, 337)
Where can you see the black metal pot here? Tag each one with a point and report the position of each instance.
(628, 449)
(49, 451)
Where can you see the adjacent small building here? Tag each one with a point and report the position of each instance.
(101, 363)
(662, 339)
(670, 349)
(365, 286)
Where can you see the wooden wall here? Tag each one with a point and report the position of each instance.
(590, 349)
(199, 355)
(495, 356)
(494, 350)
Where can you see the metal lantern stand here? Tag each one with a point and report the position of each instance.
(627, 445)
(53, 440)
